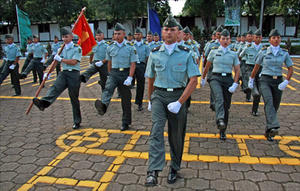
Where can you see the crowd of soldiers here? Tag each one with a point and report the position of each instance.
(172, 68)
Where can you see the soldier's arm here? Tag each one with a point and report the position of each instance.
(254, 71)
(207, 66)
(132, 69)
(91, 57)
(290, 73)
(109, 66)
(189, 89)
(150, 87)
(237, 73)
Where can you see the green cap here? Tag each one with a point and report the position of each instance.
(258, 32)
(219, 29)
(186, 30)
(55, 36)
(99, 31)
(150, 33)
(119, 27)
(35, 36)
(225, 32)
(9, 36)
(250, 32)
(65, 31)
(191, 33)
(214, 33)
(138, 30)
(170, 22)
(244, 34)
(156, 34)
(274, 32)
(179, 26)
(129, 34)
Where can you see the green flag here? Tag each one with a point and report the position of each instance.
(24, 27)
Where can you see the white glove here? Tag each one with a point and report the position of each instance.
(203, 82)
(174, 107)
(57, 58)
(283, 85)
(233, 87)
(12, 66)
(149, 106)
(99, 64)
(251, 83)
(45, 75)
(43, 60)
(127, 82)
(26, 54)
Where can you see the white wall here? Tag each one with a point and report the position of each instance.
(199, 23)
(290, 31)
(54, 31)
(244, 25)
(103, 27)
(35, 29)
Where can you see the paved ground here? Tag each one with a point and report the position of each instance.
(40, 151)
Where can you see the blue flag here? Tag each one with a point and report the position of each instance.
(154, 22)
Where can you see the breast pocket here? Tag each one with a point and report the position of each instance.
(113, 53)
(158, 66)
(179, 71)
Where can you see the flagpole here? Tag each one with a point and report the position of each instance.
(148, 16)
(18, 21)
(52, 66)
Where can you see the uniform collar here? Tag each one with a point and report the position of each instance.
(223, 49)
(100, 42)
(10, 45)
(37, 44)
(69, 45)
(164, 48)
(181, 42)
(257, 47)
(138, 43)
(120, 44)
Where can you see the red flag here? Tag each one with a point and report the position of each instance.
(86, 37)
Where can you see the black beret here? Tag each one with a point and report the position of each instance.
(186, 30)
(219, 29)
(129, 34)
(35, 36)
(274, 32)
(65, 31)
(119, 27)
(99, 31)
(150, 33)
(179, 26)
(9, 36)
(214, 33)
(257, 32)
(156, 34)
(225, 32)
(170, 22)
(138, 30)
(250, 32)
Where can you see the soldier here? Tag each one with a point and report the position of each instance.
(271, 81)
(237, 42)
(149, 38)
(11, 66)
(39, 57)
(143, 54)
(222, 84)
(122, 58)
(168, 69)
(129, 38)
(54, 47)
(247, 91)
(250, 53)
(29, 56)
(156, 41)
(98, 61)
(213, 38)
(69, 77)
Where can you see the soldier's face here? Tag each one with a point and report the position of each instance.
(275, 40)
(29, 41)
(243, 39)
(35, 40)
(9, 40)
(218, 35)
(238, 39)
(186, 36)
(55, 40)
(129, 38)
(99, 37)
(257, 39)
(249, 37)
(225, 41)
(119, 36)
(180, 36)
(149, 37)
(156, 38)
(67, 38)
(213, 37)
(170, 34)
(138, 36)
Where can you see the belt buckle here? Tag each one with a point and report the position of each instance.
(224, 74)
(275, 77)
(170, 89)
(70, 70)
(121, 69)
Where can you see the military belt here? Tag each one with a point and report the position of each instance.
(274, 77)
(120, 69)
(169, 89)
(222, 74)
(70, 70)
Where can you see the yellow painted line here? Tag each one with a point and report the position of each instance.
(201, 71)
(298, 68)
(91, 84)
(295, 80)
(243, 147)
(291, 87)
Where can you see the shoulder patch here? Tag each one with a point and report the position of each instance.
(285, 50)
(211, 41)
(264, 48)
(130, 43)
(146, 43)
(156, 49)
(183, 48)
(249, 45)
(76, 45)
(188, 43)
(233, 49)
(214, 47)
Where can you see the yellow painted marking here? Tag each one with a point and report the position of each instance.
(294, 79)
(243, 147)
(294, 72)
(298, 68)
(200, 69)
(91, 84)
(66, 181)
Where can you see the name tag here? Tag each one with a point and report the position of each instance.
(268, 58)
(224, 74)
(169, 89)
(218, 55)
(121, 69)
(275, 77)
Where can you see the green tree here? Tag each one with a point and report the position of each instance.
(291, 7)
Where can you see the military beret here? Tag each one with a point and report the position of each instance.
(138, 30)
(170, 22)
(250, 32)
(225, 32)
(119, 27)
(274, 32)
(99, 31)
(150, 33)
(156, 34)
(244, 34)
(219, 29)
(186, 30)
(257, 32)
(65, 31)
(129, 34)
(191, 33)
(179, 26)
(9, 36)
(238, 35)
(35, 36)
(214, 33)
(55, 36)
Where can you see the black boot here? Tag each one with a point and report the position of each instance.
(101, 107)
(271, 133)
(221, 124)
(172, 176)
(151, 179)
(223, 134)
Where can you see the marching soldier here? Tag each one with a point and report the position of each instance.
(122, 58)
(168, 69)
(69, 77)
(11, 65)
(250, 53)
(221, 82)
(143, 53)
(213, 38)
(54, 47)
(39, 57)
(271, 81)
(149, 38)
(237, 42)
(129, 38)
(29, 56)
(98, 61)
(156, 41)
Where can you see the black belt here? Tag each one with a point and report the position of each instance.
(273, 77)
(37, 58)
(222, 74)
(70, 70)
(120, 69)
(169, 89)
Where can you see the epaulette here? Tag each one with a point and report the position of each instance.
(249, 45)
(130, 43)
(194, 42)
(183, 48)
(284, 49)
(156, 49)
(214, 47)
(233, 49)
(264, 48)
(146, 43)
(188, 43)
(211, 41)
(76, 45)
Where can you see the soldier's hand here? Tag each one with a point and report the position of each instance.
(283, 85)
(128, 81)
(233, 87)
(45, 76)
(57, 58)
(174, 107)
(203, 82)
(251, 83)
(43, 60)
(11, 67)
(99, 64)
(149, 106)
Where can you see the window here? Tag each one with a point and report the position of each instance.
(44, 28)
